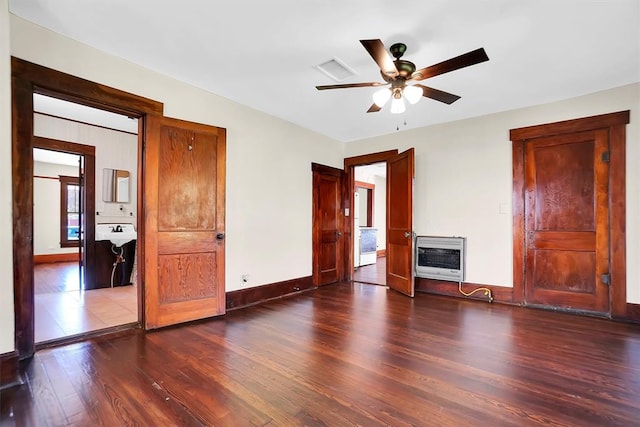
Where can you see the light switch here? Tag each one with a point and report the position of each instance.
(503, 209)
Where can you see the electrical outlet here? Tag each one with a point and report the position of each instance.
(245, 278)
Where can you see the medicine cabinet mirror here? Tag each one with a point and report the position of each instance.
(115, 186)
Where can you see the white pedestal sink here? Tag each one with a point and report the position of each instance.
(117, 234)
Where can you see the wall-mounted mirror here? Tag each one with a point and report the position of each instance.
(115, 186)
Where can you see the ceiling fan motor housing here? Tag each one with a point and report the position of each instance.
(405, 70)
(398, 49)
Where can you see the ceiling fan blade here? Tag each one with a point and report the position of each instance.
(374, 108)
(348, 85)
(466, 59)
(438, 95)
(379, 54)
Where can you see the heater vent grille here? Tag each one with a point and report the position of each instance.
(440, 258)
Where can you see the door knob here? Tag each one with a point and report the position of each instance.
(338, 233)
(220, 236)
(407, 233)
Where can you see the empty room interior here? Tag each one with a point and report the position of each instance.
(286, 213)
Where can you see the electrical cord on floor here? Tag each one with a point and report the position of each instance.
(487, 292)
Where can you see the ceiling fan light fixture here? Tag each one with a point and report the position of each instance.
(397, 106)
(380, 97)
(412, 94)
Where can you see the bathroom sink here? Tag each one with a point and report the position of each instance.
(112, 233)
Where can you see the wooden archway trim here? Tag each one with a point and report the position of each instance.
(26, 79)
(47, 81)
(615, 123)
(349, 189)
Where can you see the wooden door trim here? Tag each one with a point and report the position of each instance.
(57, 84)
(369, 159)
(26, 79)
(348, 200)
(617, 219)
(615, 124)
(602, 121)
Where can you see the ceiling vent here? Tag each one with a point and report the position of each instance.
(336, 69)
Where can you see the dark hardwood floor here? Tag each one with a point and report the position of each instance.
(342, 355)
(375, 274)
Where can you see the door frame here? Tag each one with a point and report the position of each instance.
(89, 153)
(26, 79)
(349, 186)
(615, 124)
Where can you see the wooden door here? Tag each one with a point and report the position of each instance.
(185, 222)
(567, 221)
(400, 174)
(328, 220)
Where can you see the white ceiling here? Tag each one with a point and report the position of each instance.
(263, 53)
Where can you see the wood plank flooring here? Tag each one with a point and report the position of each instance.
(343, 355)
(373, 273)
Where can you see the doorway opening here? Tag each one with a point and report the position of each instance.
(73, 145)
(369, 223)
(28, 79)
(399, 216)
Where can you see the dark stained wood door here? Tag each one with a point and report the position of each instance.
(567, 221)
(400, 174)
(328, 223)
(185, 222)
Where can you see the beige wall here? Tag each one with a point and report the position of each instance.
(6, 234)
(463, 179)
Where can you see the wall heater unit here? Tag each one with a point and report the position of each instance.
(440, 258)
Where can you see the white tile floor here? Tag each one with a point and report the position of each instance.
(61, 314)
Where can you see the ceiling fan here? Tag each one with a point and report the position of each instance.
(399, 73)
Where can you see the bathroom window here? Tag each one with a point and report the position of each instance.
(69, 211)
